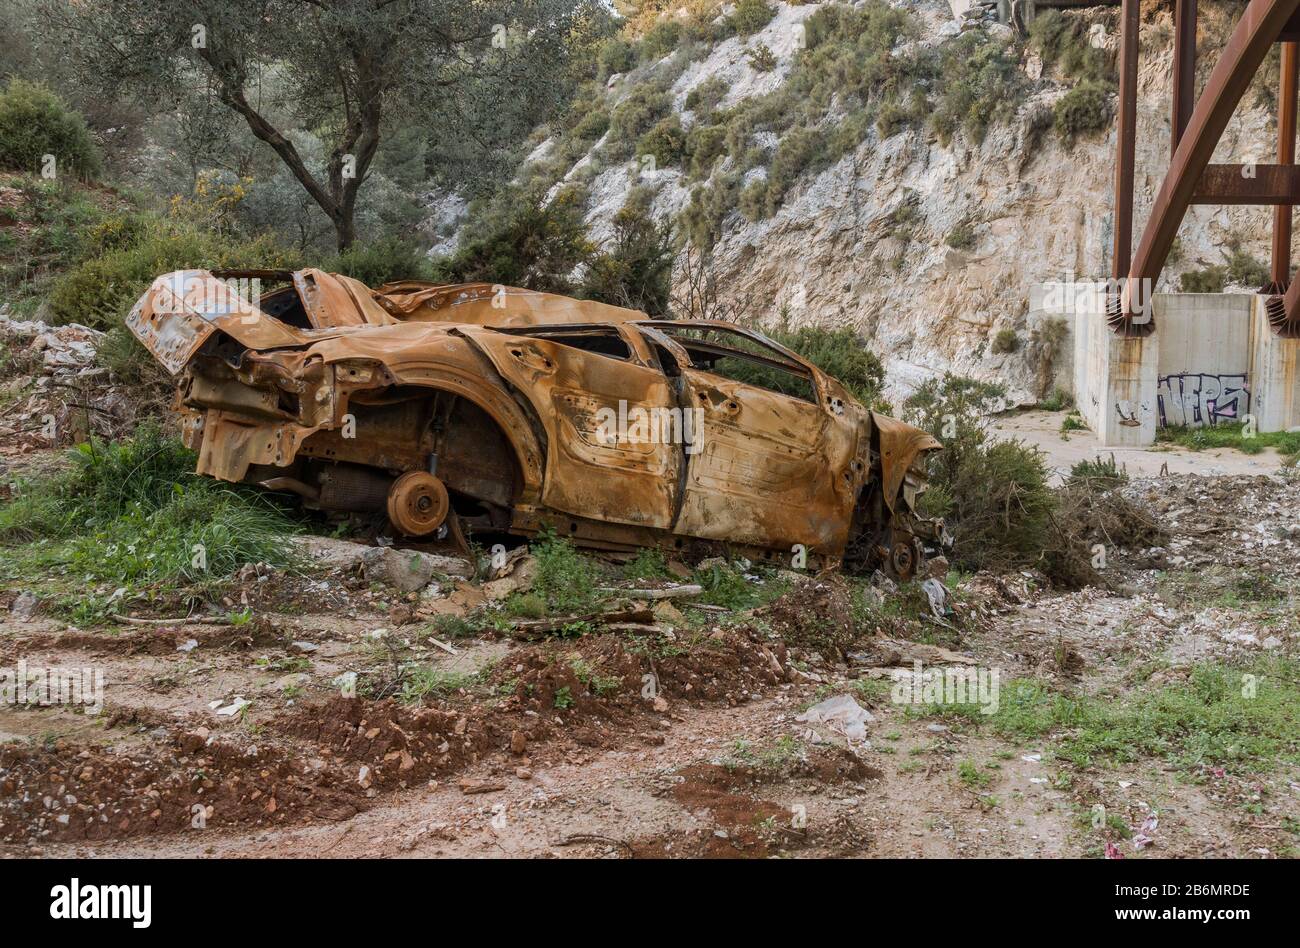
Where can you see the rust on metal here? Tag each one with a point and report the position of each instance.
(1248, 184)
(1280, 270)
(1122, 248)
(1263, 23)
(496, 410)
(1184, 97)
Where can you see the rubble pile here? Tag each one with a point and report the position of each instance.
(54, 393)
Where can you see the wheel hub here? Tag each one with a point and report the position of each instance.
(418, 503)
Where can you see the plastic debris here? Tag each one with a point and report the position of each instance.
(842, 714)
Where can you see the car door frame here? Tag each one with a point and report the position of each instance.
(627, 481)
(810, 474)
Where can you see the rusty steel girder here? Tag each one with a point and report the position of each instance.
(1191, 178)
(495, 409)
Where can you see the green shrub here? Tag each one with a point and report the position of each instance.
(565, 579)
(662, 38)
(839, 353)
(133, 512)
(1211, 279)
(57, 225)
(761, 57)
(527, 244)
(35, 122)
(637, 271)
(800, 150)
(962, 236)
(121, 353)
(750, 16)
(592, 125)
(708, 208)
(617, 55)
(705, 144)
(753, 200)
(1061, 40)
(385, 261)
(993, 494)
(1101, 472)
(632, 118)
(1005, 341)
(101, 290)
(1243, 269)
(706, 96)
(647, 564)
(666, 142)
(1081, 111)
(981, 84)
(1239, 268)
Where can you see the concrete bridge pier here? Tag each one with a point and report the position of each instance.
(1213, 359)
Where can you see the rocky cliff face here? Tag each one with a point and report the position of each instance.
(1039, 209)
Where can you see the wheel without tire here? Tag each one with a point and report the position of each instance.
(905, 559)
(418, 503)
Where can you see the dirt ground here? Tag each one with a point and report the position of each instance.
(1042, 429)
(248, 739)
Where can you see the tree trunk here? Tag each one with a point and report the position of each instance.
(345, 229)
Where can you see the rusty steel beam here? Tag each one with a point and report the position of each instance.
(1122, 247)
(1184, 70)
(1260, 25)
(1280, 271)
(1249, 184)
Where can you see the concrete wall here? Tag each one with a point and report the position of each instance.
(1203, 360)
(1212, 360)
(1274, 374)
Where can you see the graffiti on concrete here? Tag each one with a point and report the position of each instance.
(1200, 398)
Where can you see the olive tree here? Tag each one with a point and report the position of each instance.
(474, 73)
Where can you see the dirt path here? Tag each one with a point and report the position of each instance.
(1042, 429)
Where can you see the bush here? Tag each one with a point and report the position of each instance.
(1101, 472)
(962, 236)
(705, 144)
(666, 142)
(994, 494)
(133, 512)
(1081, 111)
(637, 272)
(706, 96)
(708, 208)
(565, 579)
(101, 291)
(55, 227)
(35, 122)
(750, 16)
(1240, 269)
(800, 150)
(981, 84)
(662, 38)
(632, 118)
(592, 125)
(1209, 280)
(528, 244)
(617, 55)
(839, 353)
(1244, 270)
(384, 261)
(1062, 40)
(1005, 341)
(761, 57)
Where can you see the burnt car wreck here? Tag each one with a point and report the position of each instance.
(486, 409)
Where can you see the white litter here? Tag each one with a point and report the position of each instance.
(239, 704)
(842, 714)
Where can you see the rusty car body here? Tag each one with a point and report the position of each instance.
(488, 409)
